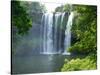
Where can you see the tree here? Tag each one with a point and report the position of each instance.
(84, 27)
(34, 9)
(87, 63)
(64, 8)
(20, 18)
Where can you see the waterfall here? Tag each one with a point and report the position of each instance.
(60, 34)
(67, 42)
(51, 33)
(55, 31)
(47, 33)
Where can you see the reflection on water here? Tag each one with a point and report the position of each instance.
(37, 63)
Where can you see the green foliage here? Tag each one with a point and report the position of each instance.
(34, 10)
(20, 18)
(59, 9)
(33, 7)
(84, 27)
(64, 8)
(87, 63)
(24, 14)
(87, 44)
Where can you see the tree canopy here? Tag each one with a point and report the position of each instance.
(84, 28)
(20, 18)
(23, 16)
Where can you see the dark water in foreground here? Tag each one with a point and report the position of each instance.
(37, 63)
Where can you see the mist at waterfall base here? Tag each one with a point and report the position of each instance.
(45, 47)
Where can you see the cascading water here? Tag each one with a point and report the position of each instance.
(67, 42)
(60, 36)
(47, 34)
(51, 32)
(55, 31)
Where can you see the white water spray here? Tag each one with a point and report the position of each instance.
(67, 42)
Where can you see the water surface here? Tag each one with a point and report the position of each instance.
(37, 63)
